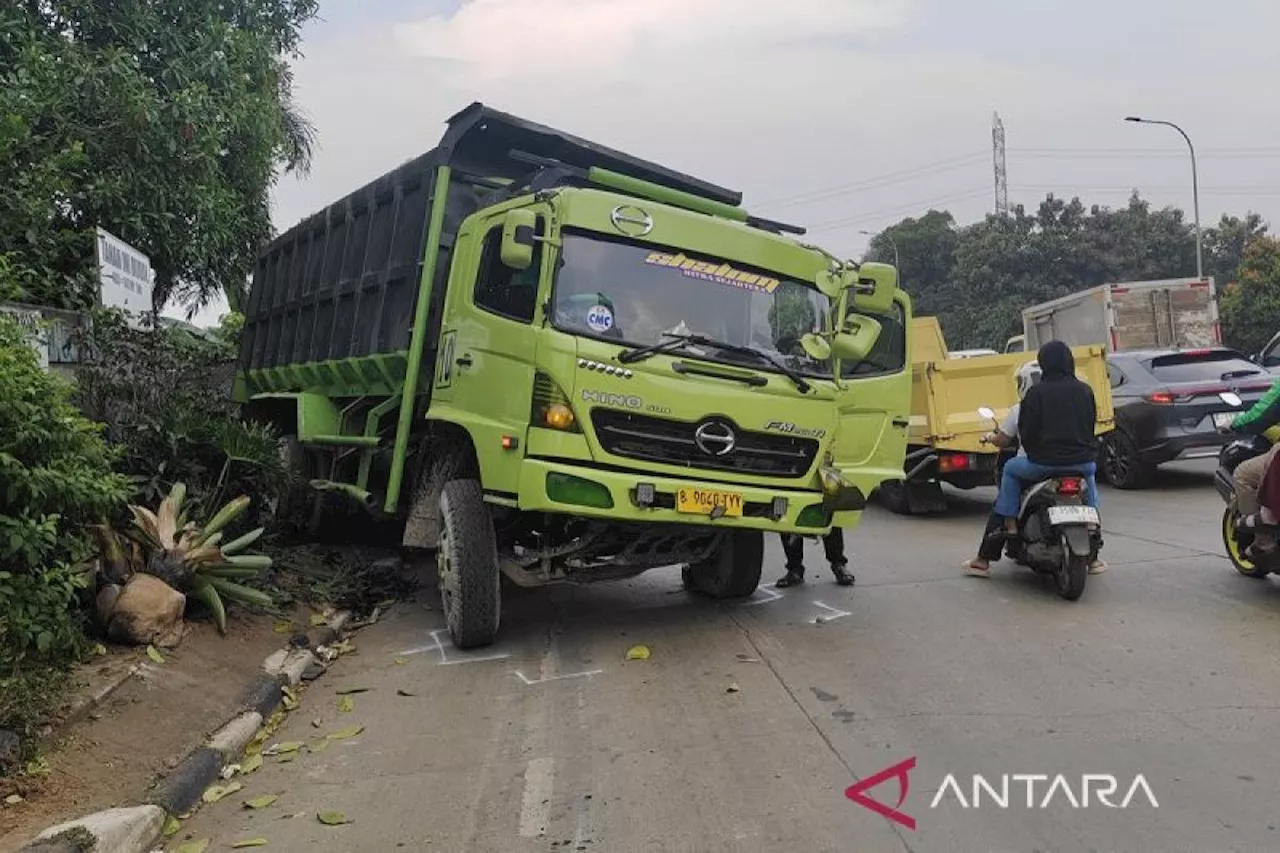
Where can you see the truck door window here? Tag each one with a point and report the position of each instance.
(502, 290)
(889, 355)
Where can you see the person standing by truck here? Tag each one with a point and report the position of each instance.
(832, 544)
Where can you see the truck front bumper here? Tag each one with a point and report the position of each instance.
(638, 497)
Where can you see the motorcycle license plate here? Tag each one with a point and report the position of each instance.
(703, 501)
(1223, 419)
(1073, 515)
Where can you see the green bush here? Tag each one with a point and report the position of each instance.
(165, 397)
(55, 478)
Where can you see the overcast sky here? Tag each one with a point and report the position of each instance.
(839, 115)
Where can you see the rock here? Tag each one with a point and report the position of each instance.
(147, 611)
(10, 749)
(106, 603)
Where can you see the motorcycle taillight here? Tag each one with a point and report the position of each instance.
(1070, 486)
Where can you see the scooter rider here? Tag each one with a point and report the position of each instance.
(1055, 427)
(1248, 476)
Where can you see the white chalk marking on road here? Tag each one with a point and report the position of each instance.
(835, 614)
(438, 645)
(529, 682)
(770, 591)
(535, 810)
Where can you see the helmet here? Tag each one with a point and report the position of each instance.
(1027, 375)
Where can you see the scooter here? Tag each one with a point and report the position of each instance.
(1058, 534)
(1236, 540)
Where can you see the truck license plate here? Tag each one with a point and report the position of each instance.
(1223, 419)
(703, 501)
(1073, 515)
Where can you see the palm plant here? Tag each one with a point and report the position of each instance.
(190, 557)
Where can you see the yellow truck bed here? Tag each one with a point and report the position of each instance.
(946, 393)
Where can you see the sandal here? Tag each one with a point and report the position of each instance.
(1097, 567)
(789, 579)
(975, 568)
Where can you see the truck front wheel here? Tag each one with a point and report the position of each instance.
(733, 571)
(467, 562)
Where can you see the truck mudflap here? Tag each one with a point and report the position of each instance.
(638, 497)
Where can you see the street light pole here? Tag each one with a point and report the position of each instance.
(897, 261)
(1195, 185)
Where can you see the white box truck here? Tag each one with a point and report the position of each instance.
(1174, 313)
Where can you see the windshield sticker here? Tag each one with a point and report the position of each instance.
(718, 273)
(600, 318)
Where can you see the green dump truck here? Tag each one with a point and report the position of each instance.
(558, 362)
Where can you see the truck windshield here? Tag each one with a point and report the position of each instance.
(636, 295)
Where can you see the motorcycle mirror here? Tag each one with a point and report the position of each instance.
(987, 413)
(1231, 398)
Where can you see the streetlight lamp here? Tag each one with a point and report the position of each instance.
(897, 262)
(1195, 185)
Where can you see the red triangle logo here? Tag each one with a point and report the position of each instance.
(858, 792)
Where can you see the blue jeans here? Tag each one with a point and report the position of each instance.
(1020, 470)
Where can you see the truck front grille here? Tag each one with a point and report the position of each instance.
(672, 442)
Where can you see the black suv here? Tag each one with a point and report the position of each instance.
(1169, 406)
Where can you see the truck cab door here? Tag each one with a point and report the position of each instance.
(874, 405)
(488, 342)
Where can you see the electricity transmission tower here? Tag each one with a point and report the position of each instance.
(998, 161)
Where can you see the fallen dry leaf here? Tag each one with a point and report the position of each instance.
(319, 746)
(217, 792)
(332, 818)
(13, 799)
(193, 846)
(640, 652)
(99, 649)
(318, 620)
(283, 748)
(282, 627)
(260, 802)
(351, 691)
(405, 693)
(346, 733)
(401, 661)
(346, 704)
(732, 688)
(252, 763)
(249, 842)
(154, 654)
(285, 759)
(172, 826)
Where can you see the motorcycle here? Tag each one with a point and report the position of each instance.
(1236, 540)
(1058, 534)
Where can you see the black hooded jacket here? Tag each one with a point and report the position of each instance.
(1057, 417)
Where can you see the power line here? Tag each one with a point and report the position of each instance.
(915, 206)
(1237, 190)
(1111, 153)
(887, 179)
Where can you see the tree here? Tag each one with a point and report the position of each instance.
(165, 122)
(1250, 308)
(1224, 245)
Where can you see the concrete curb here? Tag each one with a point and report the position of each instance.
(138, 829)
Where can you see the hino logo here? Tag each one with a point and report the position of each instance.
(715, 438)
(622, 401)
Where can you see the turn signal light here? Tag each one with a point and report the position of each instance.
(954, 462)
(558, 416)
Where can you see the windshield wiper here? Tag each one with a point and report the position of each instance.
(676, 341)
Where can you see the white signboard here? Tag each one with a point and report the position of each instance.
(125, 274)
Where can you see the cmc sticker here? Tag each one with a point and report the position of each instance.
(600, 318)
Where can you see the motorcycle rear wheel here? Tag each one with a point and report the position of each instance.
(1072, 573)
(1236, 551)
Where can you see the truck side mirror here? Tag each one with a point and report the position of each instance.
(874, 287)
(856, 340)
(519, 230)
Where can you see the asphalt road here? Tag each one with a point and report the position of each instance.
(743, 729)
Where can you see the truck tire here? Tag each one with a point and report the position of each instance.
(467, 564)
(1122, 465)
(448, 458)
(893, 497)
(733, 571)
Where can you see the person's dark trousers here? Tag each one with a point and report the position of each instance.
(992, 545)
(832, 544)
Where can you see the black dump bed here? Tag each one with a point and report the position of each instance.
(343, 283)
